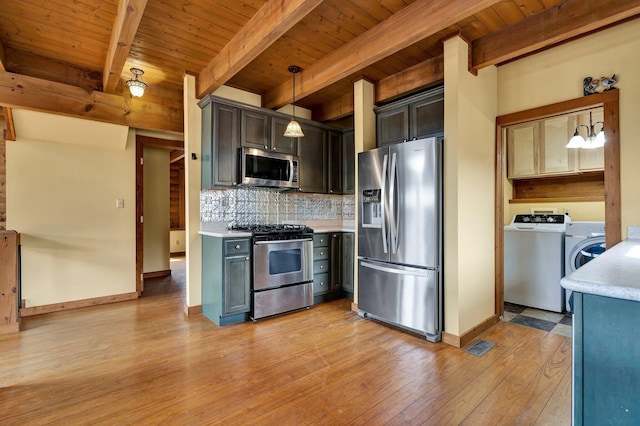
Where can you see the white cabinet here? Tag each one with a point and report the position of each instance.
(537, 148)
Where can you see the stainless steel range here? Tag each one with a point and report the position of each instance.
(282, 268)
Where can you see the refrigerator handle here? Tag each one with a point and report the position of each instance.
(393, 202)
(385, 160)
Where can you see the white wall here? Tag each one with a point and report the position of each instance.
(192, 173)
(556, 75)
(177, 241)
(156, 209)
(63, 178)
(469, 195)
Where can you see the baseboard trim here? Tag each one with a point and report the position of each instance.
(156, 274)
(192, 310)
(75, 304)
(9, 328)
(465, 338)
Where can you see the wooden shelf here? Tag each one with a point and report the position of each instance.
(556, 200)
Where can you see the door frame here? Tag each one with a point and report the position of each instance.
(609, 101)
(141, 143)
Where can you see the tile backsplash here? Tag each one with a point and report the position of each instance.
(264, 205)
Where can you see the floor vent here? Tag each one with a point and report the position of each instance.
(480, 347)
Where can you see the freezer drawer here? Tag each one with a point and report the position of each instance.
(400, 295)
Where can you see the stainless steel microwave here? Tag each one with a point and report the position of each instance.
(264, 168)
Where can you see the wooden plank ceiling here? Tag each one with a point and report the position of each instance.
(73, 57)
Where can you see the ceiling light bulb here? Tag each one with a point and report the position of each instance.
(137, 86)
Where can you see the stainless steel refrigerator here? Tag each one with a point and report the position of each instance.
(400, 235)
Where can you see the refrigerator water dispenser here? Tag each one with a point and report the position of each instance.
(372, 208)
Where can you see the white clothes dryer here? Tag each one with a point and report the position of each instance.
(584, 241)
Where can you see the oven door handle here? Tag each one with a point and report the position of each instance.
(283, 241)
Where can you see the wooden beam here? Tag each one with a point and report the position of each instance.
(10, 134)
(415, 22)
(27, 63)
(335, 109)
(175, 156)
(3, 58)
(124, 30)
(19, 91)
(560, 23)
(160, 143)
(273, 20)
(420, 76)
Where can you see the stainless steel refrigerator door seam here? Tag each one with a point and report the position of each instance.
(393, 218)
(382, 207)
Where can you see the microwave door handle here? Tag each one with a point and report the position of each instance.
(290, 179)
(393, 219)
(383, 202)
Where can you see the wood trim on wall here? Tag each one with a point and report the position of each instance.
(466, 338)
(192, 310)
(613, 224)
(156, 274)
(75, 304)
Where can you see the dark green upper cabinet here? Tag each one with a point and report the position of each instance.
(335, 184)
(416, 117)
(254, 132)
(348, 162)
(279, 142)
(392, 125)
(313, 159)
(220, 143)
(427, 117)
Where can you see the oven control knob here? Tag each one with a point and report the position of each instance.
(237, 246)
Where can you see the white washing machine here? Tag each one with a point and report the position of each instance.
(534, 261)
(584, 241)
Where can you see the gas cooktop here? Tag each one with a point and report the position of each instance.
(276, 231)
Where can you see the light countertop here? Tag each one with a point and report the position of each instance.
(615, 273)
(220, 229)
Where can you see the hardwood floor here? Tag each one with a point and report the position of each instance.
(143, 362)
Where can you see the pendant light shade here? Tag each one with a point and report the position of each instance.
(293, 129)
(594, 140)
(137, 86)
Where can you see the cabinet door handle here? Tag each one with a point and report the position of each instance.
(321, 253)
(246, 258)
(266, 147)
(321, 266)
(237, 246)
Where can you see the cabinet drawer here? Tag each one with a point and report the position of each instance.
(320, 240)
(320, 266)
(321, 283)
(236, 247)
(320, 253)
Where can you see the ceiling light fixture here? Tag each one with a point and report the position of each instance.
(293, 128)
(137, 86)
(594, 140)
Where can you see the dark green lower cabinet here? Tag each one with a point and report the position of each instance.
(226, 279)
(606, 361)
(333, 255)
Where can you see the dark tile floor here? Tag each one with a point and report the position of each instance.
(542, 320)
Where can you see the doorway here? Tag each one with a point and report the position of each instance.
(174, 150)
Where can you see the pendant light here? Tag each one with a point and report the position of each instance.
(137, 86)
(293, 128)
(594, 140)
